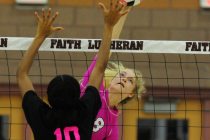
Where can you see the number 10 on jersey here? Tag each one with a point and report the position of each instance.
(67, 130)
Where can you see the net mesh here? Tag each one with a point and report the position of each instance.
(177, 92)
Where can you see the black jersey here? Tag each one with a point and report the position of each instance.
(36, 109)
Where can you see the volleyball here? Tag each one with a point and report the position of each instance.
(132, 2)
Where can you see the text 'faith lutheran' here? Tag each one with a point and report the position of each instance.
(94, 44)
(65, 44)
(118, 45)
(197, 46)
(3, 42)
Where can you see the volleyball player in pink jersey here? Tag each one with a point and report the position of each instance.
(119, 86)
(67, 116)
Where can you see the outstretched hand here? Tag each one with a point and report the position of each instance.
(114, 12)
(45, 21)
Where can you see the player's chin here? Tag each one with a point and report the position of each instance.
(116, 87)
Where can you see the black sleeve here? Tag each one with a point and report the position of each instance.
(31, 105)
(92, 100)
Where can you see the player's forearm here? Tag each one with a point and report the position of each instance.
(119, 26)
(117, 29)
(103, 57)
(104, 50)
(27, 59)
(23, 79)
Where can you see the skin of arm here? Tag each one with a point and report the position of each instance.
(119, 26)
(111, 17)
(44, 29)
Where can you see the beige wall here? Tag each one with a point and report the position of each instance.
(153, 19)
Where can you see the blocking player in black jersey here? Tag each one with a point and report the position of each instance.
(66, 117)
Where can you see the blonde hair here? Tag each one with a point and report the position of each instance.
(114, 68)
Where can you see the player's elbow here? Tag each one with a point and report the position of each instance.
(102, 66)
(20, 74)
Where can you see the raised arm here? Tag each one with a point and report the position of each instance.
(111, 17)
(44, 29)
(117, 29)
(119, 26)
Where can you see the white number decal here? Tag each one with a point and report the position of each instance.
(98, 124)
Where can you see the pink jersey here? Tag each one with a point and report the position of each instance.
(106, 123)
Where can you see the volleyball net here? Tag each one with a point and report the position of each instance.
(176, 73)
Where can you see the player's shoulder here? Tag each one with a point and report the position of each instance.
(91, 89)
(32, 100)
(29, 95)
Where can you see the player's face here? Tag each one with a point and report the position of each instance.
(122, 85)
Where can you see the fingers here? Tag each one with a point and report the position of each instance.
(120, 5)
(58, 28)
(102, 6)
(45, 21)
(46, 16)
(124, 12)
(37, 15)
(117, 6)
(54, 17)
(115, 13)
(111, 3)
(122, 9)
(43, 13)
(49, 13)
(123, 2)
